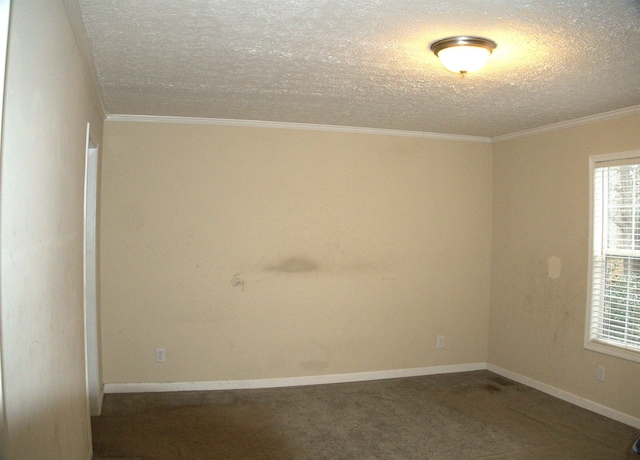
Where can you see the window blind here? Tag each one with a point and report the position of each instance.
(615, 276)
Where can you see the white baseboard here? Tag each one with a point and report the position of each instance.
(289, 381)
(566, 396)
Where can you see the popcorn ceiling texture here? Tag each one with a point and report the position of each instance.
(366, 63)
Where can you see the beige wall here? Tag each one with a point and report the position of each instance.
(253, 253)
(48, 103)
(541, 210)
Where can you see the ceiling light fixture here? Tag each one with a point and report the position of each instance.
(463, 54)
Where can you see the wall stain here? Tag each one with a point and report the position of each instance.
(294, 265)
(238, 281)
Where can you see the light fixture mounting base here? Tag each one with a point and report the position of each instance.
(462, 40)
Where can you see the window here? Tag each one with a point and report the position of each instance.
(613, 309)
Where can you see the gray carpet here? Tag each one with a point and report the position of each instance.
(473, 415)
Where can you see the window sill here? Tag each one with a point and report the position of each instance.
(612, 350)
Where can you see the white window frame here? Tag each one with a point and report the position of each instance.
(591, 341)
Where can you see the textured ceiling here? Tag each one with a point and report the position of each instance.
(365, 63)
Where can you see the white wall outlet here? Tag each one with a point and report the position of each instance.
(440, 341)
(555, 267)
(600, 374)
(160, 355)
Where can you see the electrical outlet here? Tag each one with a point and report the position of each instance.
(440, 342)
(160, 355)
(600, 374)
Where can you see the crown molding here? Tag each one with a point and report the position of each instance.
(569, 124)
(628, 111)
(297, 126)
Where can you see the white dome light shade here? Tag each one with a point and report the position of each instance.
(463, 54)
(464, 58)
